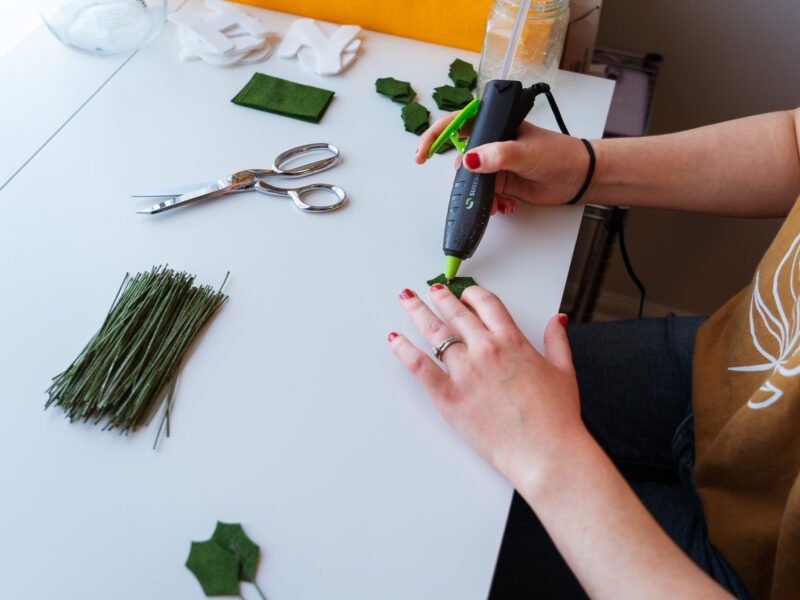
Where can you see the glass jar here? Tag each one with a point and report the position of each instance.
(540, 44)
(104, 26)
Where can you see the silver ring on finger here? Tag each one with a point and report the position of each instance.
(439, 350)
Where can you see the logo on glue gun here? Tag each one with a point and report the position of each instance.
(468, 203)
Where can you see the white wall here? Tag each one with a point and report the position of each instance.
(723, 59)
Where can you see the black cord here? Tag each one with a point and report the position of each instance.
(628, 266)
(617, 220)
(556, 112)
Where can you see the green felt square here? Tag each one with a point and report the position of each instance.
(284, 97)
(463, 74)
(232, 537)
(457, 285)
(216, 569)
(399, 91)
(450, 98)
(415, 117)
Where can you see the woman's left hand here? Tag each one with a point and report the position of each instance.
(516, 407)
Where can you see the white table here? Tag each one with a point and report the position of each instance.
(292, 416)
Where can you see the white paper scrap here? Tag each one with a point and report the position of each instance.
(323, 48)
(223, 36)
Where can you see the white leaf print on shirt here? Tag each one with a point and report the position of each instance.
(776, 330)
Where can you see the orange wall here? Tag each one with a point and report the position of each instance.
(447, 22)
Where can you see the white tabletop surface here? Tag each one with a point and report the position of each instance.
(292, 416)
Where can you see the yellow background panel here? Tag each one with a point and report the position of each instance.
(456, 23)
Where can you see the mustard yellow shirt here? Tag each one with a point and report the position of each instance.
(746, 398)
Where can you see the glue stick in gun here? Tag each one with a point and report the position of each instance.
(503, 107)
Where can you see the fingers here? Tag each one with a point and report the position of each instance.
(556, 344)
(433, 132)
(463, 321)
(432, 328)
(514, 187)
(420, 365)
(499, 156)
(505, 205)
(489, 309)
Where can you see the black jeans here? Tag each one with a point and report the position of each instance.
(635, 380)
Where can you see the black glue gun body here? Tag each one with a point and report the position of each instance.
(504, 106)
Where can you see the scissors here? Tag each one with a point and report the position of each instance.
(253, 179)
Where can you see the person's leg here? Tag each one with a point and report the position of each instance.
(635, 381)
(635, 384)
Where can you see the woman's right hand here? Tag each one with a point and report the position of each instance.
(539, 167)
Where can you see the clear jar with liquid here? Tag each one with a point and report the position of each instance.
(540, 44)
(104, 26)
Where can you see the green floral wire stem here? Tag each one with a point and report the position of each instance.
(248, 575)
(129, 368)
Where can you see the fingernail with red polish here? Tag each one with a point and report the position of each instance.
(562, 318)
(406, 294)
(436, 287)
(392, 336)
(473, 160)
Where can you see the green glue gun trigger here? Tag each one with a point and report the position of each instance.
(451, 131)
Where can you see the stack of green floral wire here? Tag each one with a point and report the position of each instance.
(130, 366)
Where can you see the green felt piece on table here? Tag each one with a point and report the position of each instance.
(232, 537)
(449, 98)
(283, 97)
(216, 569)
(457, 285)
(463, 74)
(399, 91)
(415, 117)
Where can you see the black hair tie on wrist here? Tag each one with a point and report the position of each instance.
(589, 174)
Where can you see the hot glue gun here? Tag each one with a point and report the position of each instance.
(499, 113)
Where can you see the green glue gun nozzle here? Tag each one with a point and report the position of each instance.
(451, 131)
(451, 265)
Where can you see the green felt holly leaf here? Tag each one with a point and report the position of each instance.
(463, 74)
(216, 568)
(457, 285)
(449, 98)
(231, 537)
(399, 91)
(415, 117)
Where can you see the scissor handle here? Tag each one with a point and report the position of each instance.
(297, 195)
(308, 168)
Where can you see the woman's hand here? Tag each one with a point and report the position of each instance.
(520, 411)
(540, 166)
(515, 407)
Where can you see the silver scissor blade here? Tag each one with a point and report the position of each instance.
(217, 189)
(175, 201)
(160, 207)
(175, 191)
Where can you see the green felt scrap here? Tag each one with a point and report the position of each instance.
(449, 98)
(283, 97)
(399, 91)
(231, 537)
(216, 569)
(415, 117)
(463, 74)
(457, 285)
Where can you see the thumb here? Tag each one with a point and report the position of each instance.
(556, 344)
(497, 156)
